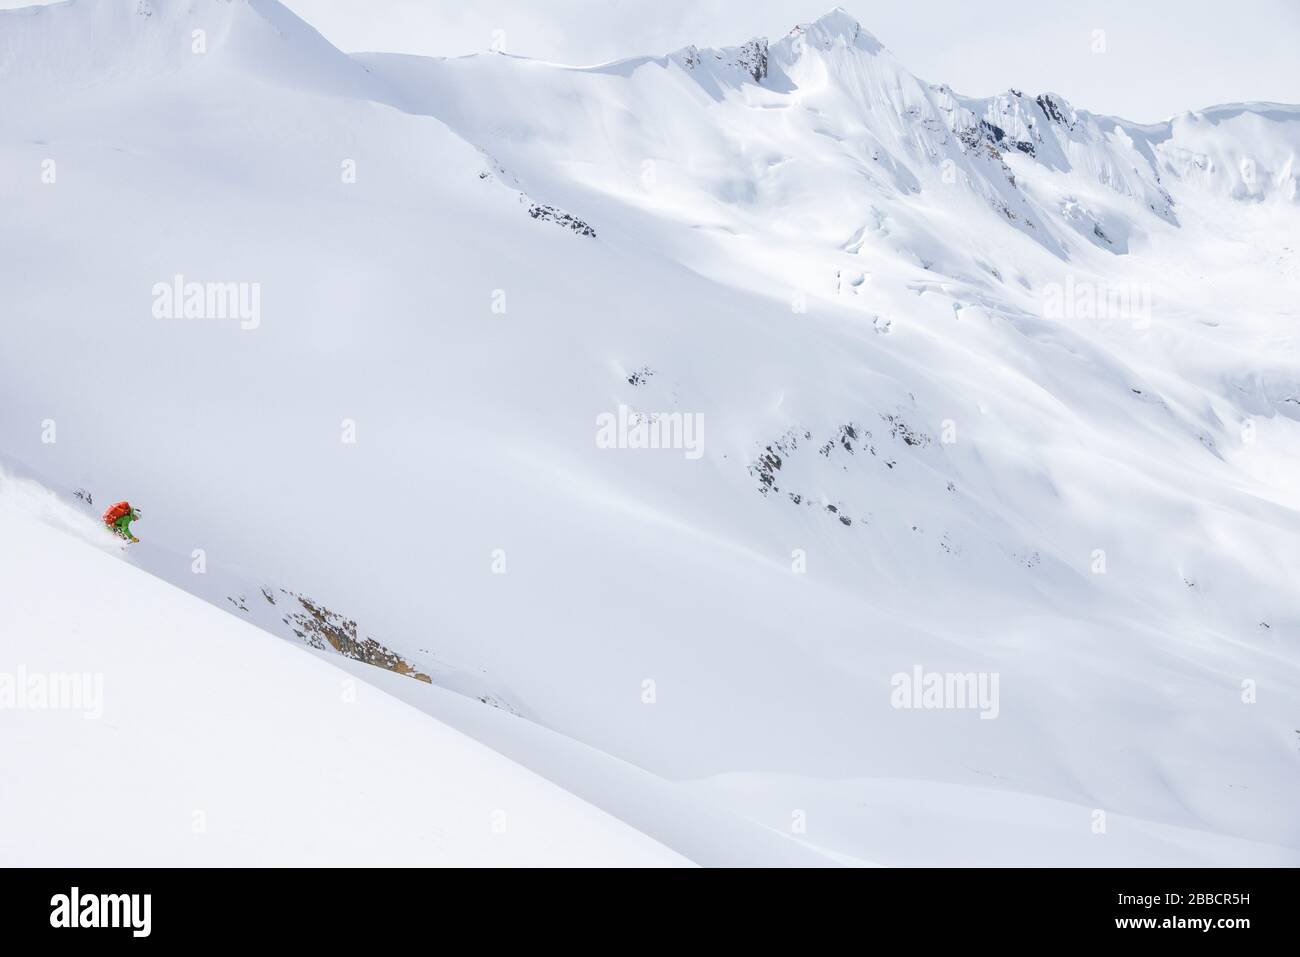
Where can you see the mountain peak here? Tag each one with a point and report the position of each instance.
(836, 27)
(81, 41)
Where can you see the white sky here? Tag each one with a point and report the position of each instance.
(1161, 56)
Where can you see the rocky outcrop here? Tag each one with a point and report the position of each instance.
(321, 628)
(549, 214)
(750, 58)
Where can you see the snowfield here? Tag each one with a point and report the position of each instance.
(194, 740)
(975, 538)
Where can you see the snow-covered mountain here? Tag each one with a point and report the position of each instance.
(981, 386)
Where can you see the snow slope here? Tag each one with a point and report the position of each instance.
(916, 451)
(202, 741)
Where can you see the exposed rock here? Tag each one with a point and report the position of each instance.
(750, 57)
(901, 430)
(990, 134)
(1055, 111)
(322, 628)
(769, 461)
(549, 214)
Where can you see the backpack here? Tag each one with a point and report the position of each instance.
(116, 511)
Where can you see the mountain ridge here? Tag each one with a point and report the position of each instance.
(836, 26)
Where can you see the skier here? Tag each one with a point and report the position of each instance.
(119, 518)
